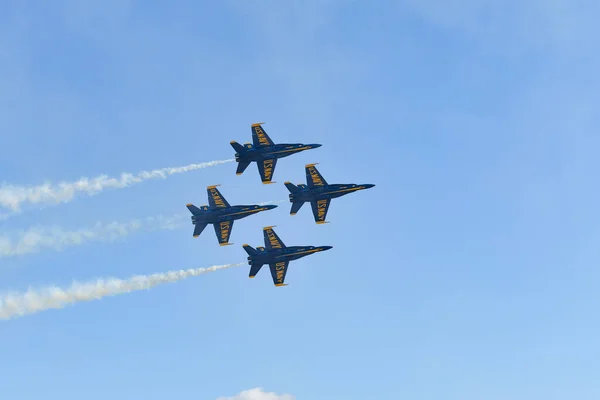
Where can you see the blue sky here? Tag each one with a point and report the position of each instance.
(468, 272)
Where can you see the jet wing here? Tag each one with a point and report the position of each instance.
(319, 209)
(215, 198)
(259, 136)
(314, 177)
(223, 231)
(266, 168)
(272, 241)
(278, 272)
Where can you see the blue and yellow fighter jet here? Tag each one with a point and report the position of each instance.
(277, 255)
(264, 152)
(221, 214)
(318, 192)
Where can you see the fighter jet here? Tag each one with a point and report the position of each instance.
(264, 152)
(318, 192)
(277, 255)
(221, 214)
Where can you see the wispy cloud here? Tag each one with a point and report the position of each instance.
(13, 196)
(560, 25)
(57, 238)
(259, 394)
(35, 300)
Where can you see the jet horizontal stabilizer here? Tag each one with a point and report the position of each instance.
(291, 187)
(250, 250)
(296, 206)
(237, 147)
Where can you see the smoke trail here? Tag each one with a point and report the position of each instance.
(57, 238)
(272, 202)
(35, 300)
(12, 196)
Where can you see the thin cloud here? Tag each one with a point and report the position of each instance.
(259, 394)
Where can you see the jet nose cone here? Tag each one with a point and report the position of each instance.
(368, 186)
(271, 206)
(325, 248)
(315, 145)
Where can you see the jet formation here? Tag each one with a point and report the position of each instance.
(316, 191)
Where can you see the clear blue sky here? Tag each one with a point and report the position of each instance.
(469, 272)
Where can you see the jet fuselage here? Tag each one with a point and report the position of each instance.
(232, 213)
(289, 253)
(280, 150)
(325, 192)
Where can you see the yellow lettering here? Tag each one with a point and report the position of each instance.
(280, 267)
(315, 177)
(321, 206)
(261, 136)
(273, 240)
(268, 168)
(217, 199)
(224, 230)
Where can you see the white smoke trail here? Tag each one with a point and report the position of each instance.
(12, 196)
(272, 202)
(35, 300)
(57, 238)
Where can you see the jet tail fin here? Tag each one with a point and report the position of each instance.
(237, 147)
(254, 268)
(291, 187)
(195, 210)
(250, 250)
